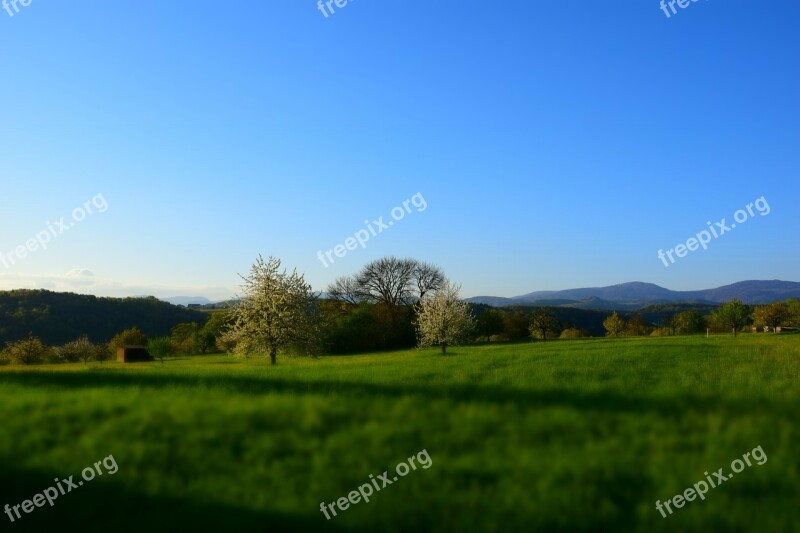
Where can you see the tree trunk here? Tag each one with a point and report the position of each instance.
(734, 331)
(444, 348)
(273, 354)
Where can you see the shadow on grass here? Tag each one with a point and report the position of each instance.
(673, 406)
(104, 505)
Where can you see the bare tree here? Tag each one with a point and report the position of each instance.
(390, 281)
(427, 277)
(346, 290)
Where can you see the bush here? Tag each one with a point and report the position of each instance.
(574, 333)
(51, 356)
(661, 332)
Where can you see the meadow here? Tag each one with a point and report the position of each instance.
(580, 435)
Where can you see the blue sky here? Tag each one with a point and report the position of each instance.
(556, 144)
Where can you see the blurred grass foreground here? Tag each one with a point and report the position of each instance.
(580, 435)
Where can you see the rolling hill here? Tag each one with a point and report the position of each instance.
(57, 318)
(636, 295)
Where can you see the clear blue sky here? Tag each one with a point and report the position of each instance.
(556, 144)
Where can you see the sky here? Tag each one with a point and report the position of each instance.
(156, 147)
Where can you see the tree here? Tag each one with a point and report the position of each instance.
(160, 348)
(489, 323)
(636, 327)
(389, 281)
(129, 337)
(184, 338)
(83, 350)
(614, 325)
(345, 290)
(101, 352)
(793, 308)
(212, 330)
(426, 278)
(689, 322)
(515, 326)
(77, 350)
(772, 315)
(277, 311)
(444, 318)
(27, 351)
(733, 314)
(542, 322)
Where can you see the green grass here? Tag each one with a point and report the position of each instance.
(581, 435)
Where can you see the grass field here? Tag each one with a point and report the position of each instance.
(580, 435)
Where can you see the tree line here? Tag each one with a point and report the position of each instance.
(733, 316)
(391, 303)
(184, 339)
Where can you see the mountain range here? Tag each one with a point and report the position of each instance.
(187, 300)
(636, 295)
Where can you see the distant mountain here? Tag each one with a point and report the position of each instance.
(636, 295)
(186, 300)
(494, 301)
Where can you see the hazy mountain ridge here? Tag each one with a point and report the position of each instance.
(636, 295)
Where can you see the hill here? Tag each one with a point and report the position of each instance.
(637, 295)
(57, 318)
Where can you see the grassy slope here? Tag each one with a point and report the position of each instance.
(578, 435)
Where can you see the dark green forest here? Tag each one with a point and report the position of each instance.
(57, 318)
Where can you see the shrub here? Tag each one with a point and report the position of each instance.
(661, 332)
(573, 333)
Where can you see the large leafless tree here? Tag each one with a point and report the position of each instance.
(390, 281)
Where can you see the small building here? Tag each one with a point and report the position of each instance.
(133, 354)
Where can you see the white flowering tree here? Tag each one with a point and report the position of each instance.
(277, 311)
(444, 319)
